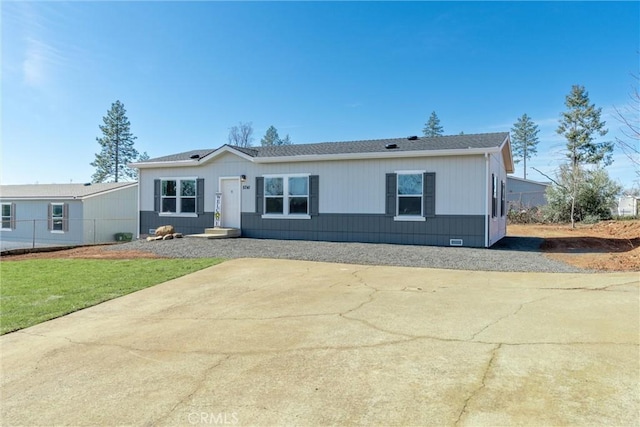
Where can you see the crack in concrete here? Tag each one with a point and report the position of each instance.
(483, 384)
(199, 385)
(507, 315)
(602, 288)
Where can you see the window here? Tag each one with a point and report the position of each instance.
(286, 195)
(494, 196)
(410, 194)
(58, 217)
(178, 196)
(8, 216)
(503, 196)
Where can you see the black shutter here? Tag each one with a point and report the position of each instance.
(429, 194)
(200, 196)
(259, 195)
(314, 190)
(50, 217)
(156, 195)
(13, 216)
(391, 184)
(65, 217)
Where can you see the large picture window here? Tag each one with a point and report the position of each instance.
(286, 195)
(178, 196)
(410, 190)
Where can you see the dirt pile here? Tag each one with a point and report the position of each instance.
(606, 246)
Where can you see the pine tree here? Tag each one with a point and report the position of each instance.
(524, 140)
(432, 127)
(117, 147)
(270, 137)
(579, 125)
(285, 141)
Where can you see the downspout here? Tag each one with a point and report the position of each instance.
(138, 203)
(486, 200)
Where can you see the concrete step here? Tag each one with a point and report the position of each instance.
(217, 233)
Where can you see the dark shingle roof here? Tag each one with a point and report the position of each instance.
(187, 155)
(452, 142)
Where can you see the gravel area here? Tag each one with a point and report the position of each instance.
(510, 254)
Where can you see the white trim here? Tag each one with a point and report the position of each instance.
(409, 218)
(11, 216)
(285, 196)
(398, 217)
(178, 197)
(178, 214)
(487, 214)
(289, 216)
(53, 217)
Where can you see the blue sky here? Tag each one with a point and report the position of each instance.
(188, 71)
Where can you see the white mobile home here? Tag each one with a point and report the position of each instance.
(67, 214)
(448, 190)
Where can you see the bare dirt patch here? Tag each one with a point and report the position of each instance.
(86, 252)
(606, 246)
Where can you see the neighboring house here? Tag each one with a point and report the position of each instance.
(525, 193)
(628, 206)
(448, 190)
(67, 214)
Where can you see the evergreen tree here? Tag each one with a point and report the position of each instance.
(285, 141)
(270, 137)
(116, 147)
(524, 140)
(580, 124)
(432, 127)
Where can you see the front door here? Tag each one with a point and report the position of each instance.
(230, 215)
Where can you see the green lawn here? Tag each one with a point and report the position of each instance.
(33, 291)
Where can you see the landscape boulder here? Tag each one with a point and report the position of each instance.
(165, 230)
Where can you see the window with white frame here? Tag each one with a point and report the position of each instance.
(503, 198)
(57, 217)
(409, 193)
(286, 195)
(494, 196)
(8, 216)
(178, 195)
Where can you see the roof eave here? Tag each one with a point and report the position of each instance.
(377, 155)
(507, 156)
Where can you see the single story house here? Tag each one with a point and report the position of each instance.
(525, 193)
(67, 214)
(446, 191)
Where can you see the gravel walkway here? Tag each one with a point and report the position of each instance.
(510, 254)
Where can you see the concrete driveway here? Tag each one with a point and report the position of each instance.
(277, 342)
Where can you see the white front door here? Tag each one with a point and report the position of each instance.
(230, 215)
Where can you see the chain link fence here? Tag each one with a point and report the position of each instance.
(41, 233)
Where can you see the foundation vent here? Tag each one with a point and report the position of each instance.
(455, 242)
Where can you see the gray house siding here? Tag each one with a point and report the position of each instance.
(150, 220)
(525, 193)
(32, 223)
(369, 228)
